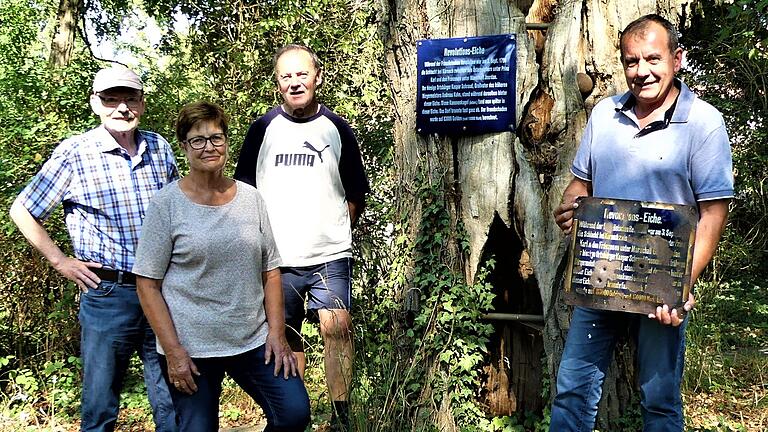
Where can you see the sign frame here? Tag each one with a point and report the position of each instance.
(466, 85)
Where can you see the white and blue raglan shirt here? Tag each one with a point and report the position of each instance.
(306, 170)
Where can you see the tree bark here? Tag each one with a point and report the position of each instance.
(66, 28)
(507, 184)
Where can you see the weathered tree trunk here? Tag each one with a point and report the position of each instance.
(505, 185)
(66, 28)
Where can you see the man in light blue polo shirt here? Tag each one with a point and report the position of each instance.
(104, 178)
(657, 142)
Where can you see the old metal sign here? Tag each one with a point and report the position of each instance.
(630, 256)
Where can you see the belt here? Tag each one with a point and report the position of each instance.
(118, 276)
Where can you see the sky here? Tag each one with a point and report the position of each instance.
(138, 29)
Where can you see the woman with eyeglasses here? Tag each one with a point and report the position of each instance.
(209, 283)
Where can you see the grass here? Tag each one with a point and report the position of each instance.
(726, 380)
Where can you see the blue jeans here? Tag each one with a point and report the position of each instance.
(588, 353)
(113, 327)
(284, 401)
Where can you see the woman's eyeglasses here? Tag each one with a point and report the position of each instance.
(199, 142)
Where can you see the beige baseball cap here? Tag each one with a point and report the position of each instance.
(116, 76)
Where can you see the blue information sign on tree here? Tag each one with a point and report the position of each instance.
(466, 86)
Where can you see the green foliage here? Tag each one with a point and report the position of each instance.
(453, 333)
(728, 53)
(53, 389)
(727, 331)
(728, 46)
(722, 424)
(40, 105)
(133, 399)
(38, 321)
(521, 422)
(430, 354)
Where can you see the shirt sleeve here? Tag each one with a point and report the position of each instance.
(153, 252)
(712, 166)
(49, 187)
(270, 256)
(162, 152)
(170, 160)
(351, 170)
(249, 153)
(582, 163)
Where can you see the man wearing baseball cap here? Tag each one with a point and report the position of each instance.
(104, 178)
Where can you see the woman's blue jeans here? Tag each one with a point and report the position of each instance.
(588, 353)
(284, 401)
(113, 327)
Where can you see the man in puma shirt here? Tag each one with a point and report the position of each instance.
(306, 163)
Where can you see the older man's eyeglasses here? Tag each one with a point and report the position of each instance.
(132, 102)
(199, 142)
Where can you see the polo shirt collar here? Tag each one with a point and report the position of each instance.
(105, 142)
(681, 108)
(684, 103)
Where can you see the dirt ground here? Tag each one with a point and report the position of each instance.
(746, 411)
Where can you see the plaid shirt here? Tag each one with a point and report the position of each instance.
(104, 191)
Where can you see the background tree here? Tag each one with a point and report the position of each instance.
(64, 38)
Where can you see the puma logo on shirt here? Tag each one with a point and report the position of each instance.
(300, 159)
(319, 152)
(296, 159)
